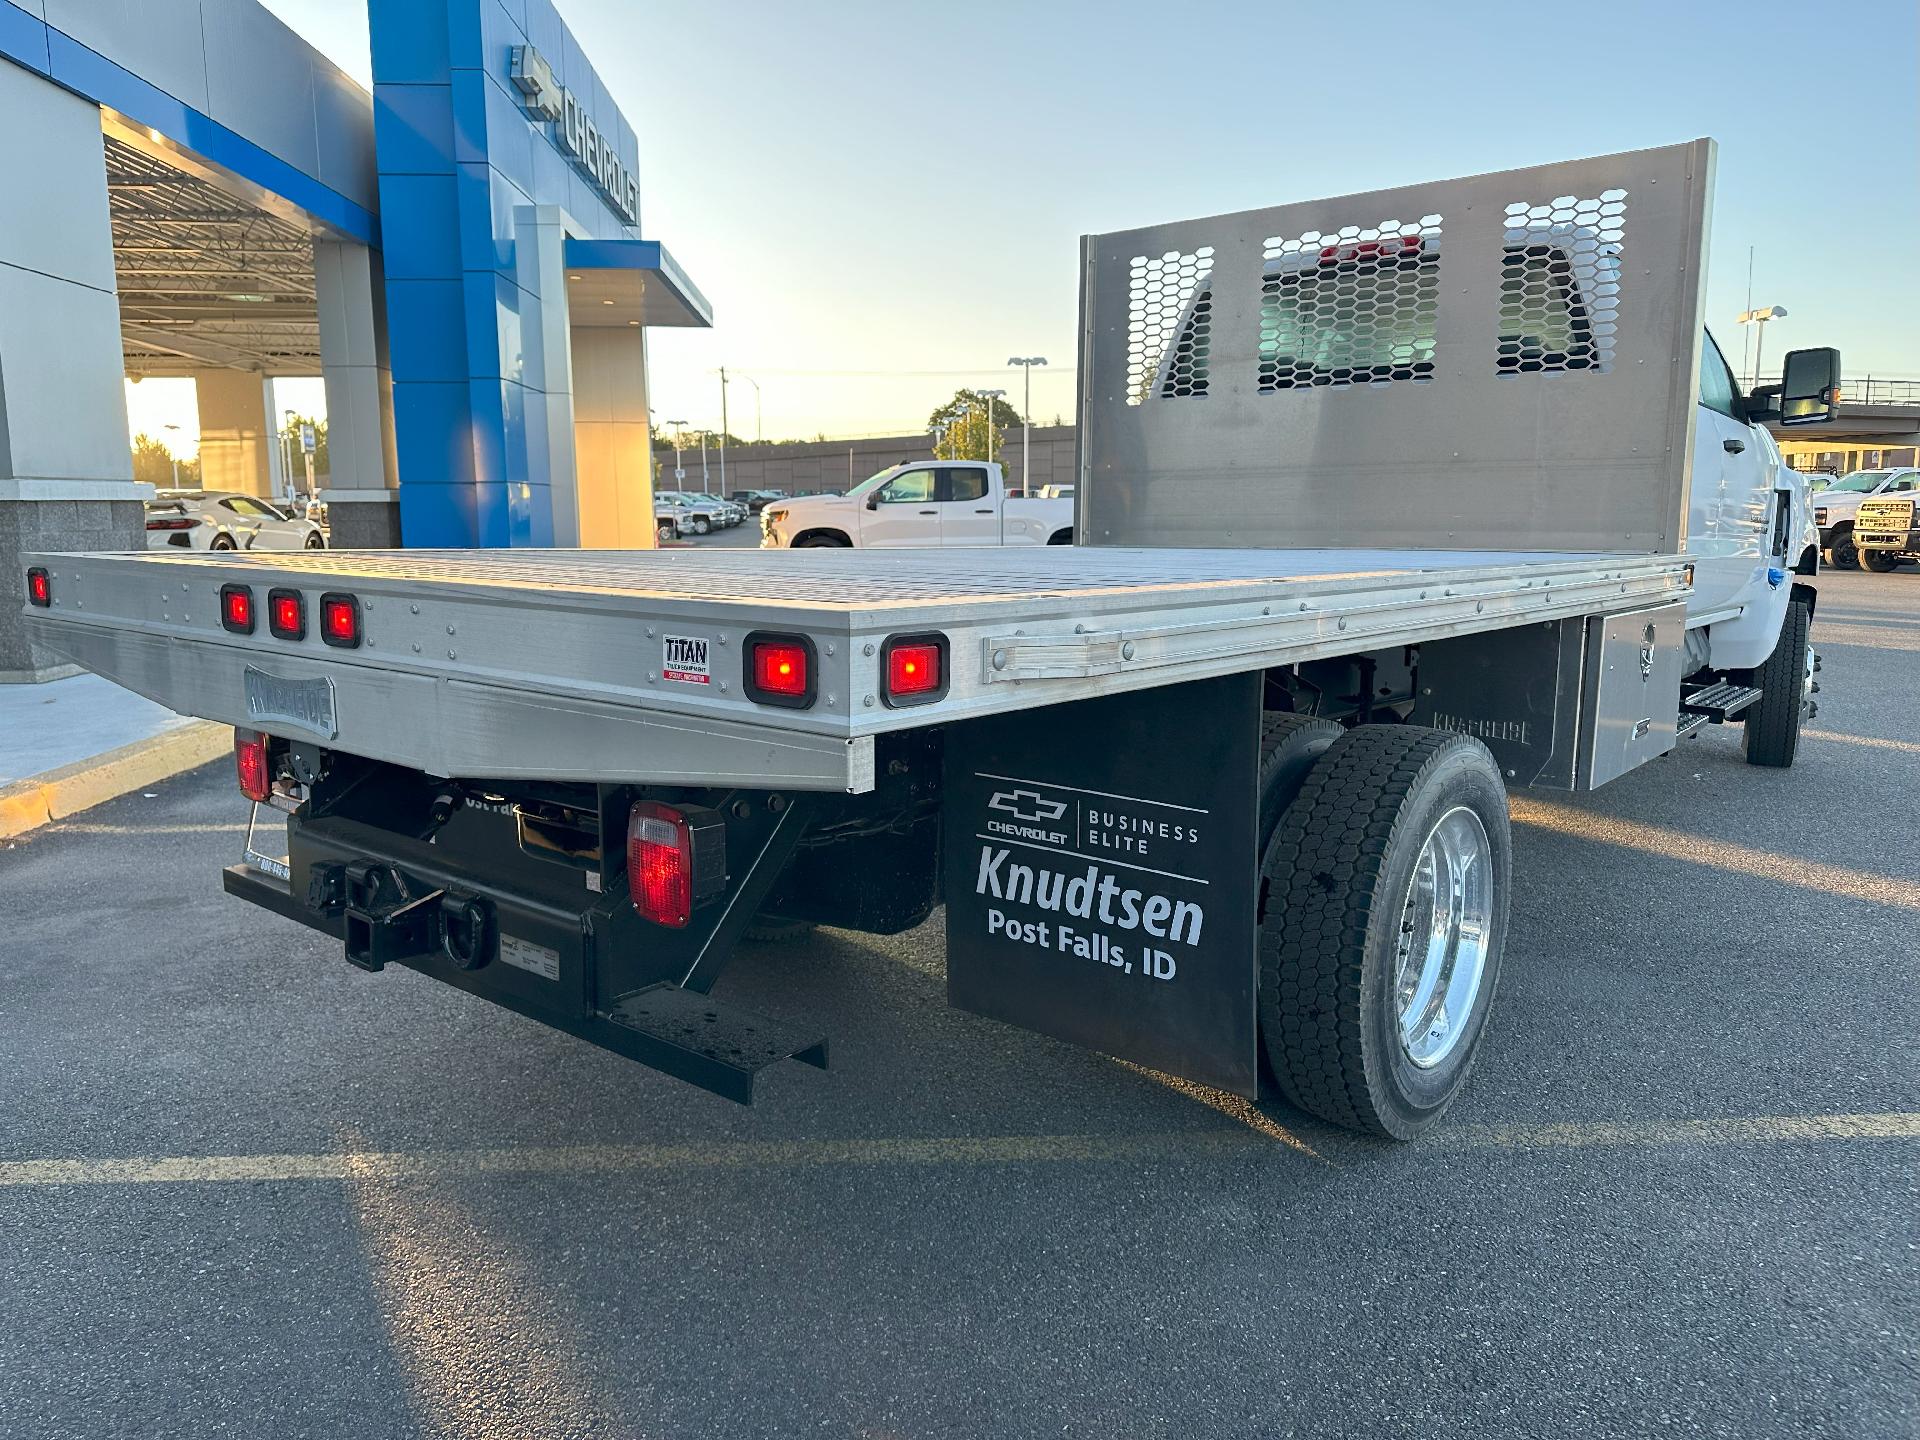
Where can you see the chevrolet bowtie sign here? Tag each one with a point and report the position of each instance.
(574, 131)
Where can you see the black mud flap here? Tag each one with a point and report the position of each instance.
(1102, 874)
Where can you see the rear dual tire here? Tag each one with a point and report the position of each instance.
(1384, 896)
(1880, 562)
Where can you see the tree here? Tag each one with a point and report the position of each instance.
(152, 461)
(971, 431)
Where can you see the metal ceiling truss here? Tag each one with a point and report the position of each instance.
(205, 279)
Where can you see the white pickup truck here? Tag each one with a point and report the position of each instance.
(926, 502)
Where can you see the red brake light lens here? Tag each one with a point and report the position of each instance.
(250, 763)
(236, 609)
(915, 669)
(780, 670)
(287, 614)
(340, 621)
(39, 587)
(660, 863)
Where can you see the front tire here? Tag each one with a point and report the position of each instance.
(1842, 554)
(316, 541)
(1880, 562)
(221, 542)
(700, 525)
(1387, 881)
(821, 542)
(1773, 721)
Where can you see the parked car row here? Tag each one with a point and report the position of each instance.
(1867, 518)
(685, 512)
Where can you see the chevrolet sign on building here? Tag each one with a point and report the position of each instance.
(574, 131)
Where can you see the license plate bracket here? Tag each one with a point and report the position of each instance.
(300, 704)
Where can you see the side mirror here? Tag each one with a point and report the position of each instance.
(1810, 387)
(873, 501)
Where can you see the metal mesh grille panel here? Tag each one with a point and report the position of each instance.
(1560, 284)
(1353, 307)
(1165, 298)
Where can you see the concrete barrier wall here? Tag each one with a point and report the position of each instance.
(829, 466)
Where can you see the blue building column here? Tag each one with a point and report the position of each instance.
(482, 110)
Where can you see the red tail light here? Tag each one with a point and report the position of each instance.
(675, 859)
(251, 763)
(287, 614)
(171, 524)
(916, 669)
(39, 587)
(236, 609)
(780, 670)
(340, 620)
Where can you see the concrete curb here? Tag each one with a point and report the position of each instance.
(40, 799)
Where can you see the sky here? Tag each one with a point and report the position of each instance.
(883, 199)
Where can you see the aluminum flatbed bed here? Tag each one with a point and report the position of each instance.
(468, 655)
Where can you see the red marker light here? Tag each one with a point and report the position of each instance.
(250, 763)
(39, 587)
(236, 609)
(915, 667)
(340, 621)
(287, 614)
(780, 670)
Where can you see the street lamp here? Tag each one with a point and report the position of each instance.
(679, 472)
(987, 397)
(174, 458)
(1026, 363)
(756, 406)
(1758, 319)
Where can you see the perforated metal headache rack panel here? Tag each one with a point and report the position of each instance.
(1502, 360)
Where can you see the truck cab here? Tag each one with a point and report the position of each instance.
(922, 502)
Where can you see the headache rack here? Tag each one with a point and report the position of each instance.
(629, 666)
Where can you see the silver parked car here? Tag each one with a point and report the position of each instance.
(224, 520)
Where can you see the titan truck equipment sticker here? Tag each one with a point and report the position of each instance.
(1104, 893)
(684, 658)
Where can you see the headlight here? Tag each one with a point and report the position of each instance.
(773, 517)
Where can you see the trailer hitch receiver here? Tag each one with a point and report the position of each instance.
(387, 918)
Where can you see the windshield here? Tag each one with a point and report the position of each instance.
(871, 481)
(1859, 480)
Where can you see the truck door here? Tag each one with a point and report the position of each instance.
(1729, 506)
(904, 511)
(969, 510)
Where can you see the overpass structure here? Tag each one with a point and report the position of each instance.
(1878, 425)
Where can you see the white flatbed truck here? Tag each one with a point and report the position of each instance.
(1233, 807)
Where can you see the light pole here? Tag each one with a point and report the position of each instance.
(1026, 363)
(723, 430)
(174, 458)
(1758, 319)
(679, 472)
(286, 447)
(756, 406)
(987, 397)
(706, 483)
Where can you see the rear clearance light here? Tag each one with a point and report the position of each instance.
(178, 523)
(39, 587)
(914, 668)
(675, 859)
(287, 614)
(340, 621)
(236, 609)
(780, 670)
(251, 764)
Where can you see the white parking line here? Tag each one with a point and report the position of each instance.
(1179, 1146)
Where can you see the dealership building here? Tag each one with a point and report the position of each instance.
(193, 191)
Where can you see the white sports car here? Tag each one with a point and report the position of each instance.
(223, 520)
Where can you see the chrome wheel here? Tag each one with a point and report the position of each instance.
(1446, 927)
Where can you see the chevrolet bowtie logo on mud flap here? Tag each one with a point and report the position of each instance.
(1028, 805)
(1035, 812)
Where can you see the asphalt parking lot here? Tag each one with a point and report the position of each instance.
(247, 1190)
